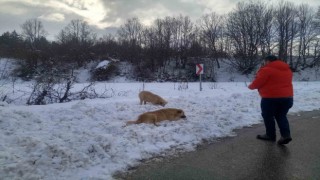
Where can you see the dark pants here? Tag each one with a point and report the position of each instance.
(276, 108)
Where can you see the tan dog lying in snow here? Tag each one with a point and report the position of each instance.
(146, 96)
(154, 117)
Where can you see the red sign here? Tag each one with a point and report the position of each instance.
(199, 69)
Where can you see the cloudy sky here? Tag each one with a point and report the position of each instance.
(106, 15)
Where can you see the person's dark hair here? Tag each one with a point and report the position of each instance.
(270, 58)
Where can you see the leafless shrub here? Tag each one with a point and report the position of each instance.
(56, 88)
(183, 85)
(213, 85)
(5, 89)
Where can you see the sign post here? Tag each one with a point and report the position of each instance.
(199, 71)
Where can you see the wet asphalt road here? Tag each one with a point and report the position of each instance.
(245, 157)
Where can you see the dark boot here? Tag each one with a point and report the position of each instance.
(283, 140)
(266, 137)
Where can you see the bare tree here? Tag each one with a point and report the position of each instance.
(286, 28)
(247, 30)
(211, 27)
(157, 41)
(131, 31)
(33, 31)
(130, 36)
(316, 42)
(76, 41)
(165, 33)
(187, 30)
(77, 30)
(267, 32)
(172, 37)
(36, 52)
(307, 34)
(182, 32)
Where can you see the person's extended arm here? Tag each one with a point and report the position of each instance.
(259, 81)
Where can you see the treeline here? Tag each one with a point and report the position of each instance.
(241, 37)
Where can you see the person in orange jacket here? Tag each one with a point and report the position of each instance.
(274, 84)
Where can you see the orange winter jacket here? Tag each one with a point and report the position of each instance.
(274, 80)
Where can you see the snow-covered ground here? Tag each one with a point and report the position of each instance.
(87, 139)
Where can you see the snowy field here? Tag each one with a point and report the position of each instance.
(87, 139)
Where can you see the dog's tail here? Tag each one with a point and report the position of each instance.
(131, 122)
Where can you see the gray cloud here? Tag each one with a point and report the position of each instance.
(123, 9)
(14, 13)
(106, 15)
